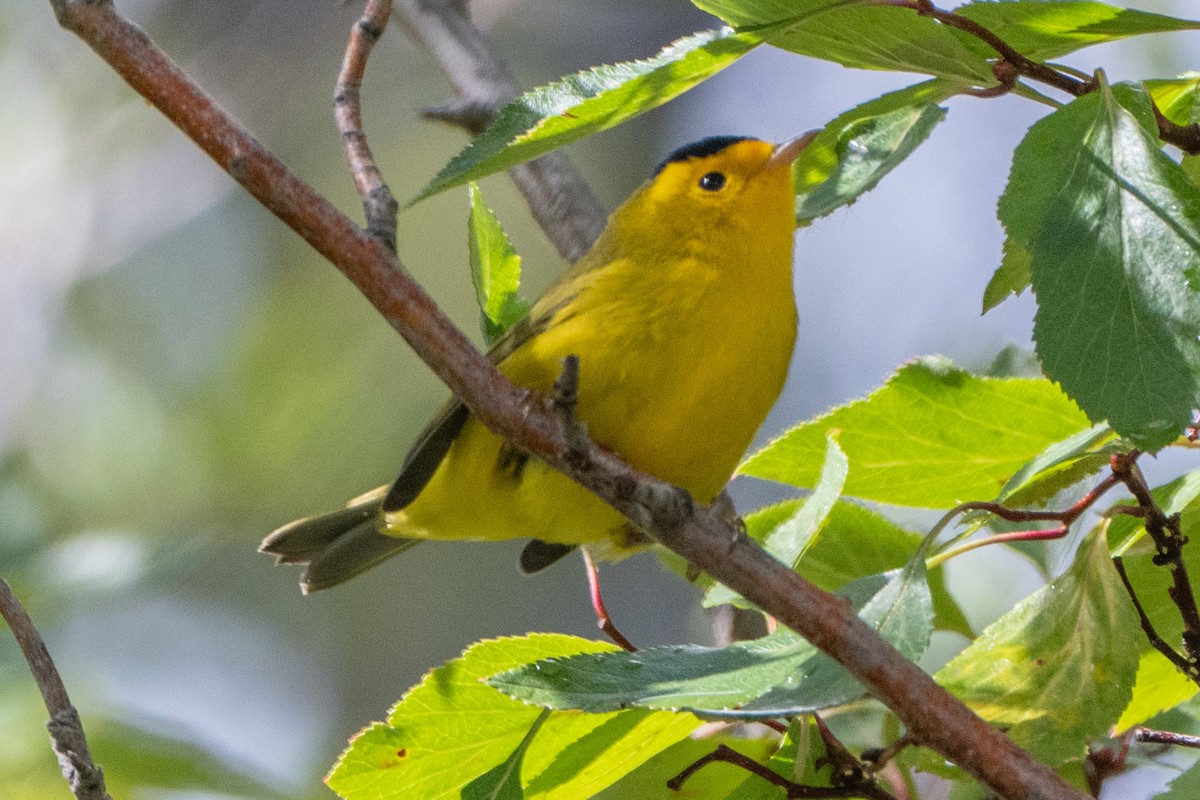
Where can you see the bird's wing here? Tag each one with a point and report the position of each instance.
(435, 440)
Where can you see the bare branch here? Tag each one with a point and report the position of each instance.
(559, 199)
(700, 535)
(66, 731)
(379, 206)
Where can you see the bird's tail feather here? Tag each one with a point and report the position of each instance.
(336, 546)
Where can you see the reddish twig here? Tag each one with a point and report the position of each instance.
(66, 730)
(1104, 762)
(1065, 518)
(379, 206)
(937, 719)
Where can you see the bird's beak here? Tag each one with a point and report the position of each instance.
(787, 152)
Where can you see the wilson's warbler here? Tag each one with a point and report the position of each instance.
(683, 320)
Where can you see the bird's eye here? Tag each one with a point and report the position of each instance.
(712, 181)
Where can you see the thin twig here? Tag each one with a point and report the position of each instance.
(66, 730)
(1168, 543)
(938, 719)
(1065, 518)
(1185, 137)
(1156, 641)
(794, 791)
(848, 771)
(1151, 736)
(379, 206)
(559, 199)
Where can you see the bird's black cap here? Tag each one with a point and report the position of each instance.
(700, 149)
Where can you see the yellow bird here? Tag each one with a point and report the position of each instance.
(683, 319)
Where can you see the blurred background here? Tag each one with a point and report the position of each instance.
(179, 374)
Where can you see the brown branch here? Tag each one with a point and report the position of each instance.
(1151, 736)
(66, 730)
(1185, 137)
(1156, 641)
(559, 199)
(1168, 544)
(864, 787)
(379, 206)
(930, 714)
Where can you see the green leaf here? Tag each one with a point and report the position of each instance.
(933, 436)
(495, 269)
(789, 540)
(857, 149)
(1159, 684)
(778, 675)
(1185, 786)
(1011, 278)
(589, 102)
(856, 542)
(1112, 228)
(452, 728)
(1060, 465)
(1058, 669)
(503, 781)
(649, 781)
(1181, 496)
(1042, 30)
(858, 33)
(1177, 98)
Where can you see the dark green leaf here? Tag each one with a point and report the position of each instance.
(1042, 30)
(855, 150)
(1112, 230)
(933, 436)
(588, 102)
(779, 675)
(1010, 279)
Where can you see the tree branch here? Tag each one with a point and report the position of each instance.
(559, 199)
(66, 730)
(930, 714)
(379, 206)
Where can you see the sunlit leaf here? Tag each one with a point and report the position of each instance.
(1041, 30)
(1059, 668)
(503, 781)
(495, 269)
(588, 102)
(1059, 466)
(453, 728)
(933, 436)
(858, 33)
(789, 540)
(1177, 98)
